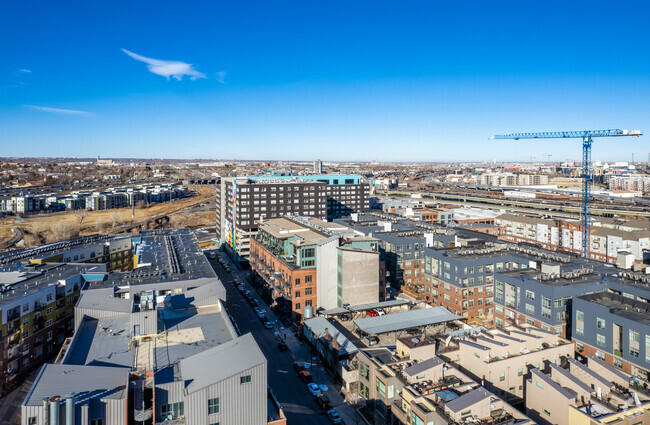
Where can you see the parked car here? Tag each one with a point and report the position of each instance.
(282, 346)
(380, 311)
(334, 416)
(268, 325)
(345, 317)
(324, 402)
(305, 376)
(372, 313)
(299, 366)
(370, 340)
(314, 389)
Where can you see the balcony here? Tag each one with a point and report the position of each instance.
(13, 315)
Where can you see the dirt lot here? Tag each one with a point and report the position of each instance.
(55, 227)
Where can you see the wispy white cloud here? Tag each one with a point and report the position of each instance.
(57, 110)
(25, 71)
(168, 69)
(221, 77)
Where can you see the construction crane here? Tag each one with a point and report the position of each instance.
(587, 138)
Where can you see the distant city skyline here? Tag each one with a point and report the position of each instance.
(337, 81)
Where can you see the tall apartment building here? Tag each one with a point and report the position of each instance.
(310, 262)
(462, 279)
(615, 329)
(243, 201)
(543, 297)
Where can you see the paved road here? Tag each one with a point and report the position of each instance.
(299, 406)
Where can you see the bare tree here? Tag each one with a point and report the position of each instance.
(81, 216)
(116, 219)
(62, 231)
(100, 226)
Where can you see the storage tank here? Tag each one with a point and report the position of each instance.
(54, 410)
(69, 409)
(309, 312)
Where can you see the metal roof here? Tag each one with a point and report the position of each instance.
(98, 300)
(423, 366)
(86, 381)
(382, 304)
(405, 320)
(231, 357)
(362, 307)
(468, 399)
(318, 325)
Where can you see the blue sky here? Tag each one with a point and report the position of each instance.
(400, 81)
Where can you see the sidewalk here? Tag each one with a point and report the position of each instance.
(301, 352)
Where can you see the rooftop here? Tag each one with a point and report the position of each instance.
(85, 381)
(637, 311)
(405, 320)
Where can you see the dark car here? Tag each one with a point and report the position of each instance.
(324, 402)
(282, 346)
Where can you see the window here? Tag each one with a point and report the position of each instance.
(297, 306)
(175, 410)
(49, 309)
(530, 295)
(308, 291)
(213, 406)
(245, 379)
(634, 336)
(580, 322)
(600, 323)
(308, 279)
(381, 388)
(618, 363)
(540, 384)
(634, 352)
(502, 377)
(298, 281)
(520, 372)
(600, 355)
(32, 420)
(546, 412)
(297, 294)
(26, 320)
(530, 309)
(600, 340)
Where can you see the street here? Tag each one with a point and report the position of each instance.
(299, 406)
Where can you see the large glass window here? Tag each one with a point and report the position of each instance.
(600, 323)
(381, 388)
